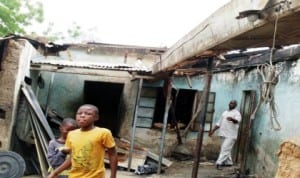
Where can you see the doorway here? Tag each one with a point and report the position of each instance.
(183, 106)
(107, 97)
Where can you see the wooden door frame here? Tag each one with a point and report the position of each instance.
(243, 140)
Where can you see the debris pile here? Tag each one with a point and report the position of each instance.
(289, 159)
(142, 162)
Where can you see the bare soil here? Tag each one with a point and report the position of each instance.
(179, 169)
(183, 169)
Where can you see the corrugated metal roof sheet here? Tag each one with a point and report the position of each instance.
(90, 65)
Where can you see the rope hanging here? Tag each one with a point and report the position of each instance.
(269, 74)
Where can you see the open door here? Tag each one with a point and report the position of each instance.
(243, 141)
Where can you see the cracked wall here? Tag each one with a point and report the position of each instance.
(15, 65)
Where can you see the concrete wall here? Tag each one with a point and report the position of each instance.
(265, 141)
(67, 91)
(262, 156)
(110, 55)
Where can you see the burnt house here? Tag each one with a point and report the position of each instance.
(133, 87)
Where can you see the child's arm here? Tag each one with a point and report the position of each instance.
(113, 161)
(65, 150)
(61, 168)
(54, 156)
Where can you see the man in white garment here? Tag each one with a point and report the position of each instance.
(228, 126)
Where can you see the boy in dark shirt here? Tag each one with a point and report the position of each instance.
(56, 155)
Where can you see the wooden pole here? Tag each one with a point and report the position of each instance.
(203, 103)
(167, 92)
(134, 122)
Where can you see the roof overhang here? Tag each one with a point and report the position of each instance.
(232, 28)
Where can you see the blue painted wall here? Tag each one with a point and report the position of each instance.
(265, 141)
(65, 95)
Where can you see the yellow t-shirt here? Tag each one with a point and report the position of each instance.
(87, 152)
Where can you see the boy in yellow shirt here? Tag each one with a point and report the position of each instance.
(87, 147)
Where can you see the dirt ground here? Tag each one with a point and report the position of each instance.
(179, 169)
(182, 169)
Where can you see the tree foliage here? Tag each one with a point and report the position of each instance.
(15, 15)
(74, 32)
(20, 16)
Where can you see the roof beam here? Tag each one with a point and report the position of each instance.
(222, 31)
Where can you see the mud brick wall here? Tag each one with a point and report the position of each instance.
(289, 159)
(8, 77)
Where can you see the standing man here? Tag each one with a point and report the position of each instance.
(229, 127)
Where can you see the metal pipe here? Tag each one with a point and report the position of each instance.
(134, 122)
(166, 114)
(204, 102)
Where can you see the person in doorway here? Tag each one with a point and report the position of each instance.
(87, 146)
(229, 126)
(56, 155)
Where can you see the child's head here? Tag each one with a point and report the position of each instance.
(86, 115)
(67, 125)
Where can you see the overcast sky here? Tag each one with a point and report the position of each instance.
(156, 23)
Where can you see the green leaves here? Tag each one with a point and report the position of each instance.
(15, 15)
(18, 15)
(72, 33)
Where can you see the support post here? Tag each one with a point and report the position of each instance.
(203, 103)
(134, 122)
(167, 92)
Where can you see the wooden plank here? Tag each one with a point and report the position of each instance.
(148, 92)
(146, 112)
(146, 107)
(210, 107)
(34, 104)
(147, 102)
(222, 32)
(165, 162)
(144, 122)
